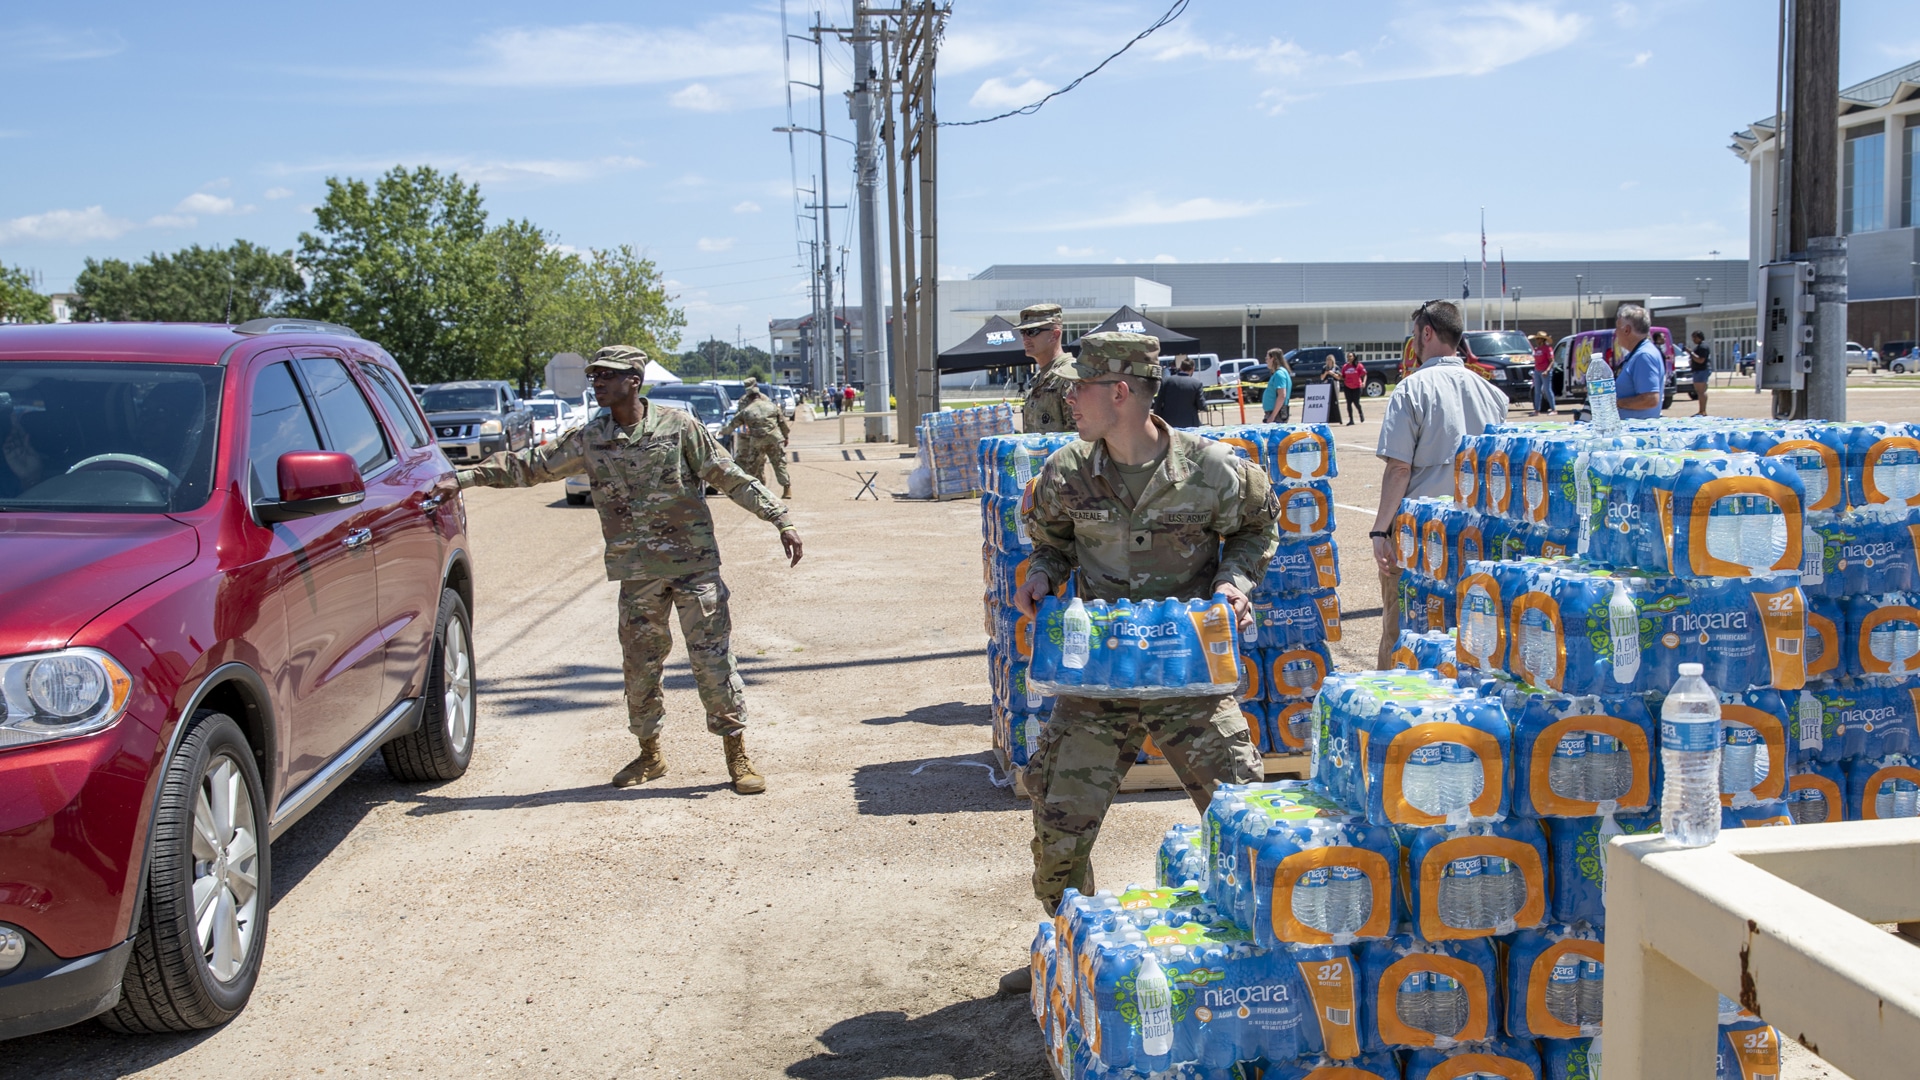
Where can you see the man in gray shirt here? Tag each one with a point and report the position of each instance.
(1426, 416)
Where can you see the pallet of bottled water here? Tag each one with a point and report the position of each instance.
(950, 446)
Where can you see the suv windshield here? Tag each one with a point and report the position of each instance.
(706, 403)
(1498, 343)
(102, 438)
(545, 410)
(461, 399)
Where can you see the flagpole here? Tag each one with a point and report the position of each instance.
(1483, 268)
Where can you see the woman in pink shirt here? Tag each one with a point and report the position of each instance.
(1353, 377)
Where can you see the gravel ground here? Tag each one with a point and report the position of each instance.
(850, 923)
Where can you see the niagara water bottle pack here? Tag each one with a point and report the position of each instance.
(1412, 748)
(950, 446)
(1152, 649)
(1290, 453)
(1003, 465)
(1431, 650)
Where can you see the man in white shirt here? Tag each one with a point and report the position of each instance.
(1426, 416)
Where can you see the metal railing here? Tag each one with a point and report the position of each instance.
(1780, 920)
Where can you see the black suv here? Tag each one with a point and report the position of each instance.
(1310, 366)
(477, 417)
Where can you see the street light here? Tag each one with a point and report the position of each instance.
(794, 129)
(1253, 330)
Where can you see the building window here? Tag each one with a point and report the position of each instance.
(1863, 182)
(1910, 174)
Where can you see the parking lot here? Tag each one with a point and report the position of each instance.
(851, 923)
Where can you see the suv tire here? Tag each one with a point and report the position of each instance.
(442, 746)
(170, 983)
(1376, 386)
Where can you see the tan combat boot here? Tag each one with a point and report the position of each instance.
(649, 765)
(786, 493)
(740, 767)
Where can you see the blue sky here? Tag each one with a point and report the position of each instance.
(1246, 130)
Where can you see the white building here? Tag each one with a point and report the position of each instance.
(1879, 205)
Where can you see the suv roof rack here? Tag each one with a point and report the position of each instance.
(293, 326)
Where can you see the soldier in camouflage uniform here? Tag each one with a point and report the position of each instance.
(762, 437)
(649, 469)
(1141, 511)
(1041, 331)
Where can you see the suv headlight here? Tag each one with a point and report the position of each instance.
(490, 427)
(59, 695)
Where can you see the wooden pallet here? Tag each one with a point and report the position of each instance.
(1159, 776)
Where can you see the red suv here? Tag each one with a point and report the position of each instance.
(235, 566)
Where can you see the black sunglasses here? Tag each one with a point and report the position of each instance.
(1030, 331)
(1420, 312)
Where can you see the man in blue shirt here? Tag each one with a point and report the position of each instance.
(1275, 404)
(1640, 378)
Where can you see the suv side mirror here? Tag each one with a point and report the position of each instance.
(313, 482)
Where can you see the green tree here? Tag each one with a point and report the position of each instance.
(528, 305)
(716, 359)
(407, 263)
(19, 303)
(194, 284)
(616, 297)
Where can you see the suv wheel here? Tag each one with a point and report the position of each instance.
(1376, 386)
(442, 746)
(1898, 367)
(204, 925)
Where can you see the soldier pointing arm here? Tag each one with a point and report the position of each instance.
(649, 469)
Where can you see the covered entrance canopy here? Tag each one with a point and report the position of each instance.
(995, 344)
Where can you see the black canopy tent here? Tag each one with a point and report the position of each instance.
(1129, 321)
(996, 344)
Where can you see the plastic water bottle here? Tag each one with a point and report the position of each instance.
(1906, 798)
(1583, 497)
(1153, 994)
(1076, 638)
(1623, 625)
(1563, 989)
(1420, 780)
(1030, 725)
(1567, 770)
(1503, 891)
(1906, 643)
(1461, 777)
(1462, 905)
(1447, 1008)
(1349, 899)
(1310, 899)
(1413, 1003)
(1738, 754)
(1593, 974)
(1690, 759)
(1126, 659)
(1600, 395)
(1479, 623)
(1609, 768)
(1763, 534)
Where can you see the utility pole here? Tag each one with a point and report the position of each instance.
(910, 133)
(873, 365)
(826, 226)
(1813, 213)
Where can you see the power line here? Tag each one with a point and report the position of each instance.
(1179, 8)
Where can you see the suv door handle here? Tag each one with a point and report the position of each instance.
(358, 537)
(432, 502)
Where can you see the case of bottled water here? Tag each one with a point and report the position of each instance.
(1009, 462)
(1298, 618)
(1753, 750)
(1554, 983)
(1883, 463)
(1475, 881)
(1301, 564)
(1495, 1057)
(1870, 550)
(1883, 787)
(1436, 750)
(1296, 672)
(1298, 868)
(1425, 605)
(1748, 1047)
(1428, 994)
(1816, 793)
(1570, 1059)
(1826, 637)
(950, 446)
(1149, 649)
(1433, 650)
(1183, 858)
(1579, 757)
(1577, 849)
(1846, 720)
(1695, 513)
(1288, 452)
(1882, 634)
(1365, 1067)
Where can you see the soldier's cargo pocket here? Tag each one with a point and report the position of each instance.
(708, 594)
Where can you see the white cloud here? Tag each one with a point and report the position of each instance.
(715, 244)
(746, 206)
(962, 51)
(68, 226)
(613, 54)
(528, 172)
(1073, 252)
(1164, 259)
(1483, 38)
(697, 97)
(45, 45)
(278, 192)
(1640, 59)
(211, 205)
(172, 221)
(998, 93)
(1150, 210)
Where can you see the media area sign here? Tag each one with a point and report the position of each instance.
(1319, 406)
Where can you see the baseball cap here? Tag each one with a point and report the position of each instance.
(1039, 316)
(619, 358)
(1116, 353)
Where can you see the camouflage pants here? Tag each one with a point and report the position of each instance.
(750, 452)
(1086, 748)
(645, 641)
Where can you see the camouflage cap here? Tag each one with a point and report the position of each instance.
(1114, 353)
(750, 382)
(1039, 317)
(619, 358)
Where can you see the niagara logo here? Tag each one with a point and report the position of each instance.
(1622, 516)
(1224, 997)
(1687, 622)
